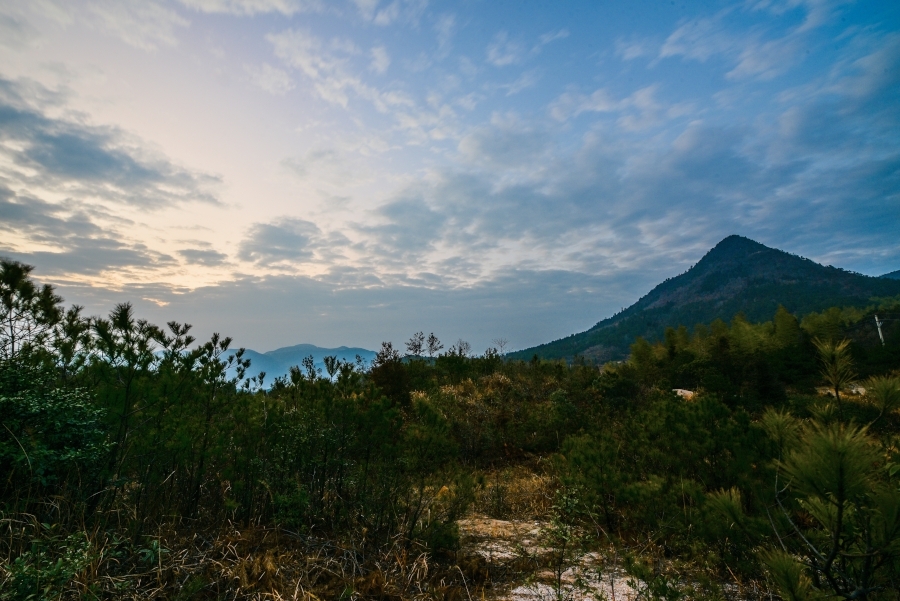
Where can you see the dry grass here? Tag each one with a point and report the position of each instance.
(519, 492)
(247, 563)
(503, 555)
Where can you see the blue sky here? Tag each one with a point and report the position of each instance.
(346, 172)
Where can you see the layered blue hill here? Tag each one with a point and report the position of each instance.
(279, 362)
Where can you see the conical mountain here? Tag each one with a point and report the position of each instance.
(738, 275)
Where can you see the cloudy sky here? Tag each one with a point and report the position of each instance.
(351, 171)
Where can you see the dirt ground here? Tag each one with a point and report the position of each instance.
(513, 551)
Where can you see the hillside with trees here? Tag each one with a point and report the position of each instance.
(753, 458)
(737, 276)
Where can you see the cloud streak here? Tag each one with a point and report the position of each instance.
(81, 160)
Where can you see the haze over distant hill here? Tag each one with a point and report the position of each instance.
(894, 275)
(737, 275)
(279, 362)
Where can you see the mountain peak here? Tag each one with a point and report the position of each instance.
(737, 275)
(735, 244)
(736, 249)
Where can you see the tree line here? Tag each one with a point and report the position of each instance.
(115, 429)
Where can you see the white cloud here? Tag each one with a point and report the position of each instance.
(407, 11)
(388, 15)
(445, 27)
(366, 8)
(765, 60)
(818, 12)
(528, 79)
(253, 7)
(328, 63)
(271, 79)
(144, 24)
(572, 104)
(469, 101)
(418, 64)
(380, 60)
(700, 39)
(633, 48)
(324, 63)
(761, 53)
(502, 51)
(552, 36)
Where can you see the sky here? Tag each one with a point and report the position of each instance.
(347, 172)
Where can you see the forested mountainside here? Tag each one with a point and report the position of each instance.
(737, 276)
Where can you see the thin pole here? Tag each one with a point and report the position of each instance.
(878, 323)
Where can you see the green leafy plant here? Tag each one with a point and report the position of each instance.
(44, 571)
(650, 581)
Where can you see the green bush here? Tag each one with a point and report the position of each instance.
(46, 569)
(50, 436)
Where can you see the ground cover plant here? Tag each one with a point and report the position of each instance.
(139, 463)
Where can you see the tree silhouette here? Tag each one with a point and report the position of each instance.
(27, 312)
(416, 344)
(434, 345)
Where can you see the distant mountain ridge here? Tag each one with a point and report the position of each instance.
(737, 275)
(279, 362)
(894, 275)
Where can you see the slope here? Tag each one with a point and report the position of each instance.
(737, 275)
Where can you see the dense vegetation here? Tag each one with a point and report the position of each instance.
(133, 466)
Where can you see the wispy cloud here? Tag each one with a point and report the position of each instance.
(503, 51)
(253, 7)
(384, 14)
(328, 63)
(66, 240)
(551, 36)
(144, 24)
(701, 39)
(762, 53)
(445, 28)
(632, 48)
(638, 111)
(271, 79)
(526, 80)
(381, 60)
